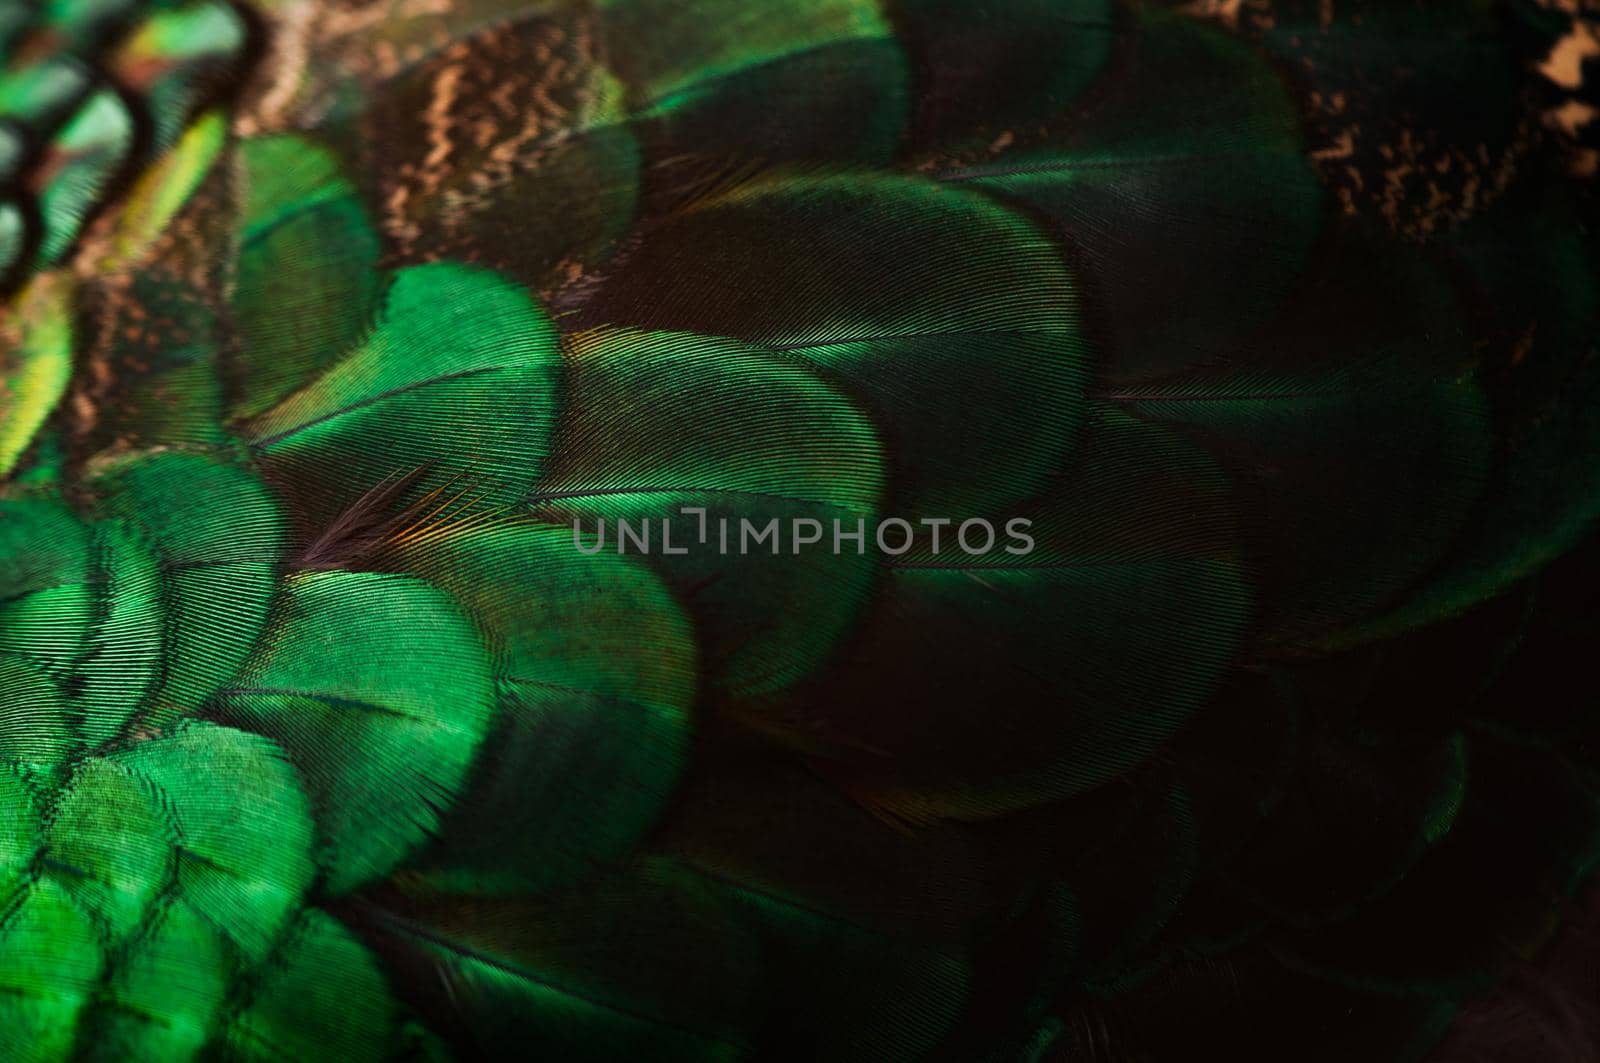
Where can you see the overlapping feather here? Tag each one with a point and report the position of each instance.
(324, 732)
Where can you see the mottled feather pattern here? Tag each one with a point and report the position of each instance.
(851, 530)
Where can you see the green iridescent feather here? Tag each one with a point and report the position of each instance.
(342, 345)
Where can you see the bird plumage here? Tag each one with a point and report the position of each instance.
(346, 343)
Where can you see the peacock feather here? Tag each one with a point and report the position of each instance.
(840, 530)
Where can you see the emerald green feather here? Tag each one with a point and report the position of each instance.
(88, 152)
(50, 962)
(434, 438)
(308, 282)
(903, 297)
(111, 846)
(165, 993)
(47, 597)
(380, 690)
(217, 575)
(17, 837)
(36, 731)
(177, 57)
(321, 994)
(594, 670)
(660, 422)
(243, 853)
(469, 391)
(121, 663)
(40, 95)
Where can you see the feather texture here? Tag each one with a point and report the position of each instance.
(818, 529)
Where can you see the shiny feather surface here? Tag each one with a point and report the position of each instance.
(849, 530)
